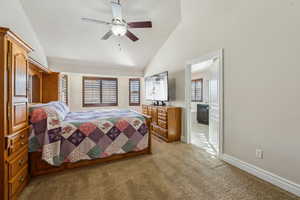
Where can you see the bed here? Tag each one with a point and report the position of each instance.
(60, 139)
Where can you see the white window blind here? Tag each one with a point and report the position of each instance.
(64, 89)
(197, 90)
(134, 92)
(100, 91)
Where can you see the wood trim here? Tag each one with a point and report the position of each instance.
(3, 116)
(39, 65)
(129, 88)
(15, 37)
(99, 104)
(35, 159)
(201, 80)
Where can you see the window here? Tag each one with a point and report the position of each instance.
(134, 92)
(100, 91)
(64, 89)
(197, 90)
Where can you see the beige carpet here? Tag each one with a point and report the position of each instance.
(173, 172)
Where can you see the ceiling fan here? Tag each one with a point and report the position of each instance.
(118, 26)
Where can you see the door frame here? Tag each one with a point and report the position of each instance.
(188, 77)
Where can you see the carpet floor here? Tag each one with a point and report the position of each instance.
(174, 171)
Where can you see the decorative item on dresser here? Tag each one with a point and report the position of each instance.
(166, 121)
(14, 114)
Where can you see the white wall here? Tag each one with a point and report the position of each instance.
(261, 69)
(12, 16)
(75, 92)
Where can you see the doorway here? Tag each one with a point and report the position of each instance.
(204, 102)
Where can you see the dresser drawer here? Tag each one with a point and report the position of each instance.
(17, 184)
(155, 128)
(149, 111)
(160, 131)
(17, 164)
(163, 117)
(17, 141)
(163, 132)
(162, 124)
(162, 111)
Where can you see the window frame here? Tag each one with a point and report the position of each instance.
(201, 91)
(129, 82)
(99, 104)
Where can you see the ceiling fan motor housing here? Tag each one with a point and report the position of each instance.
(119, 27)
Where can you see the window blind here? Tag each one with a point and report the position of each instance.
(100, 91)
(134, 92)
(197, 90)
(64, 89)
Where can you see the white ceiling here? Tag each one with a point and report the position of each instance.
(66, 39)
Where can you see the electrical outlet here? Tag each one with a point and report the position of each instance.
(259, 154)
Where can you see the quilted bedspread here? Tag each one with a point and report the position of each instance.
(85, 135)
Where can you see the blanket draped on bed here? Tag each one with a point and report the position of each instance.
(85, 135)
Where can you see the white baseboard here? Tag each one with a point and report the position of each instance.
(263, 174)
(183, 139)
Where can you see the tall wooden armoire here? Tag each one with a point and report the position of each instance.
(13, 114)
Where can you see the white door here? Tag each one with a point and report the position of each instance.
(214, 104)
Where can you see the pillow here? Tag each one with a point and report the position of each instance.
(65, 107)
(61, 109)
(44, 111)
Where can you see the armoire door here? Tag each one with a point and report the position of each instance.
(17, 88)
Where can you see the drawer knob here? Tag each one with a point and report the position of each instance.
(22, 143)
(21, 162)
(22, 179)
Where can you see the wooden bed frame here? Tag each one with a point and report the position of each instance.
(39, 167)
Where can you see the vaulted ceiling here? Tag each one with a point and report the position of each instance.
(71, 44)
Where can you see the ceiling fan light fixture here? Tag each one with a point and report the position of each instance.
(119, 29)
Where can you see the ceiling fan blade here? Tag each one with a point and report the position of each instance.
(116, 11)
(107, 35)
(95, 21)
(144, 24)
(131, 36)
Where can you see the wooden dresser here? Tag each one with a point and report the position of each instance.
(14, 114)
(166, 121)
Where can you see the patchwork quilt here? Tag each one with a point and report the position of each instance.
(85, 135)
